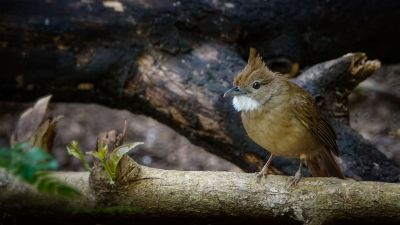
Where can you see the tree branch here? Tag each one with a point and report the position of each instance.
(205, 194)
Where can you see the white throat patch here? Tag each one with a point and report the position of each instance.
(244, 103)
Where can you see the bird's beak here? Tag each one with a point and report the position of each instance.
(234, 91)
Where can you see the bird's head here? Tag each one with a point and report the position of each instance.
(255, 85)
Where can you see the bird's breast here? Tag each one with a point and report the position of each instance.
(279, 131)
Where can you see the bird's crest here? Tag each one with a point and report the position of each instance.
(254, 63)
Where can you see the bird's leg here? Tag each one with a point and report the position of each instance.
(264, 170)
(298, 175)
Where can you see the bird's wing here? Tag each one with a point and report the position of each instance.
(308, 113)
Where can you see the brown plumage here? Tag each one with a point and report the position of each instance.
(284, 119)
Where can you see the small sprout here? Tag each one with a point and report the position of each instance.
(101, 154)
(111, 162)
(117, 154)
(74, 150)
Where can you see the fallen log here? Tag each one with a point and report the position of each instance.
(147, 194)
(304, 32)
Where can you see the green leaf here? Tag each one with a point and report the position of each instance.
(49, 184)
(26, 162)
(5, 157)
(117, 154)
(101, 154)
(110, 162)
(74, 150)
(41, 159)
(97, 155)
(31, 165)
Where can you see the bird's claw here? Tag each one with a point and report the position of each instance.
(259, 174)
(294, 180)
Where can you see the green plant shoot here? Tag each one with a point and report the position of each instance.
(110, 161)
(74, 150)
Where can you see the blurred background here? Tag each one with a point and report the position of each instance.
(163, 148)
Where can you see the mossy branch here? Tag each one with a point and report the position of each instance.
(143, 192)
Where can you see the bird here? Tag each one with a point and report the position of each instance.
(284, 119)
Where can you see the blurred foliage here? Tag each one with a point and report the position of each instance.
(109, 160)
(32, 165)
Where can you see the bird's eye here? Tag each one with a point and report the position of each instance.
(256, 85)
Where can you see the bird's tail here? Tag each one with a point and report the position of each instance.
(324, 164)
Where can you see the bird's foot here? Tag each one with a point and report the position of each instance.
(264, 170)
(298, 174)
(260, 175)
(293, 182)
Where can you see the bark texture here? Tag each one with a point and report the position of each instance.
(141, 192)
(306, 32)
(173, 61)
